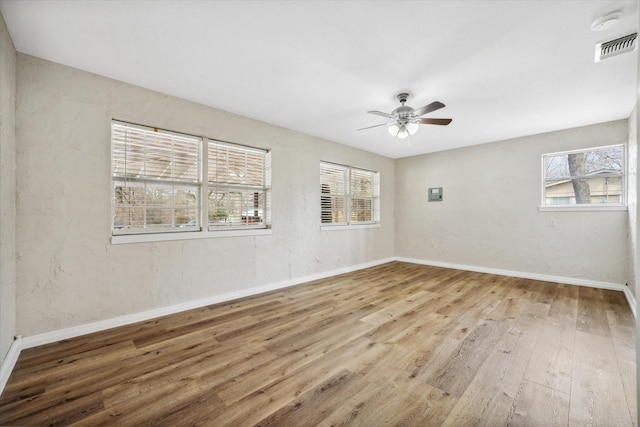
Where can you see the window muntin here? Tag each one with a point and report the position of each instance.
(592, 177)
(158, 176)
(348, 195)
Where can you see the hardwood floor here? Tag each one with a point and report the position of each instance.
(397, 344)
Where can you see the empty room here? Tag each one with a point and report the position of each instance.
(318, 213)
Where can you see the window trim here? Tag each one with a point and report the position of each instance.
(187, 235)
(375, 200)
(586, 207)
(202, 187)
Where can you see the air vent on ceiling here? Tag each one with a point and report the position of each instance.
(611, 48)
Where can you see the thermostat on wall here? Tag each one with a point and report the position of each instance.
(435, 194)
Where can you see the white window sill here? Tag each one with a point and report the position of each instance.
(582, 208)
(161, 237)
(349, 227)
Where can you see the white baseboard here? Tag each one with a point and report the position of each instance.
(75, 331)
(630, 299)
(9, 361)
(101, 325)
(533, 276)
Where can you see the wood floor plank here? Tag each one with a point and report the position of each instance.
(622, 328)
(159, 407)
(597, 393)
(395, 344)
(311, 407)
(551, 362)
(306, 353)
(592, 316)
(456, 374)
(564, 305)
(61, 412)
(491, 392)
(35, 357)
(33, 380)
(393, 404)
(396, 309)
(262, 394)
(537, 405)
(626, 356)
(80, 385)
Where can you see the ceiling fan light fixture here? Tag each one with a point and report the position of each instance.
(403, 130)
(398, 130)
(412, 128)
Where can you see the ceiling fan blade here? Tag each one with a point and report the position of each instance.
(441, 122)
(435, 105)
(375, 126)
(380, 113)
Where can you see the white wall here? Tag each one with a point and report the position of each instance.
(68, 271)
(7, 190)
(632, 198)
(489, 217)
(635, 216)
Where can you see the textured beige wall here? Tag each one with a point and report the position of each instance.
(489, 217)
(68, 272)
(7, 190)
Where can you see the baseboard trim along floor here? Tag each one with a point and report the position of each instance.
(53, 336)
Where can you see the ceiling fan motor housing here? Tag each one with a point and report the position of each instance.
(404, 113)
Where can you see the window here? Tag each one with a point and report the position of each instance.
(237, 186)
(585, 178)
(158, 177)
(348, 195)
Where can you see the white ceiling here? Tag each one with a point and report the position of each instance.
(503, 68)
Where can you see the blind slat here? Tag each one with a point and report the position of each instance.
(151, 153)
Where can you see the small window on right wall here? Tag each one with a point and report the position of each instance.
(593, 178)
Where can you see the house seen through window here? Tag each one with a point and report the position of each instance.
(593, 177)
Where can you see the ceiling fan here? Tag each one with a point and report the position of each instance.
(406, 120)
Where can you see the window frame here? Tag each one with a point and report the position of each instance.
(349, 197)
(201, 188)
(622, 206)
(241, 188)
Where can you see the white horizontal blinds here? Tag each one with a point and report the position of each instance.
(236, 165)
(333, 193)
(155, 177)
(139, 152)
(361, 207)
(237, 189)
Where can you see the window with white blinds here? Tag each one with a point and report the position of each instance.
(158, 176)
(348, 195)
(237, 186)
